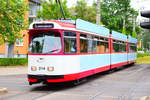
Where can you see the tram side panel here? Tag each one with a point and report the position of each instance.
(91, 64)
(132, 46)
(132, 57)
(118, 59)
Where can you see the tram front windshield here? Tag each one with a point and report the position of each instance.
(45, 43)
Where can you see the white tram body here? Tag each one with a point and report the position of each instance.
(62, 51)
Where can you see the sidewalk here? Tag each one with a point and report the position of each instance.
(14, 70)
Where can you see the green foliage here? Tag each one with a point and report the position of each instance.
(138, 30)
(85, 12)
(118, 15)
(143, 54)
(143, 60)
(139, 49)
(13, 61)
(124, 31)
(12, 13)
(134, 34)
(146, 39)
(51, 10)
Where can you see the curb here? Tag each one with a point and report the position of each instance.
(145, 98)
(3, 90)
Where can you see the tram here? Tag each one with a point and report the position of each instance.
(67, 51)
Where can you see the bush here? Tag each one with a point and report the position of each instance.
(139, 49)
(143, 54)
(13, 61)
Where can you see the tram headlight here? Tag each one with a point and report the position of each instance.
(50, 68)
(33, 68)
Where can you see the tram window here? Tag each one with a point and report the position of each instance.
(45, 43)
(106, 45)
(102, 45)
(70, 33)
(132, 47)
(123, 46)
(90, 44)
(70, 42)
(83, 43)
(119, 46)
(116, 46)
(94, 44)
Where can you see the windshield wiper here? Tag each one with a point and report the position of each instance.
(53, 50)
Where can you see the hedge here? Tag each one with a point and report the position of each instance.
(13, 61)
(143, 54)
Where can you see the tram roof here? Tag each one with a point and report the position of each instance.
(118, 35)
(132, 40)
(90, 27)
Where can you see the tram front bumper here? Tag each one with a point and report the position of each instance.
(33, 79)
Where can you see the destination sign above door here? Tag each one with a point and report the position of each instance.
(43, 26)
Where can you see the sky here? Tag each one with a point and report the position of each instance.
(141, 4)
(137, 4)
(73, 2)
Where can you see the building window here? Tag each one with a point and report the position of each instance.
(34, 7)
(19, 42)
(70, 42)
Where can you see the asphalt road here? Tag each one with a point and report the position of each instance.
(129, 83)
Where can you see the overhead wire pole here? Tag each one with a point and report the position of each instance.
(61, 8)
(98, 15)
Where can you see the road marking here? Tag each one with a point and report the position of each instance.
(96, 95)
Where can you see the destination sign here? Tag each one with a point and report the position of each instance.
(43, 26)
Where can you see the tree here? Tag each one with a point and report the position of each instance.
(145, 38)
(51, 10)
(118, 15)
(83, 11)
(12, 13)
